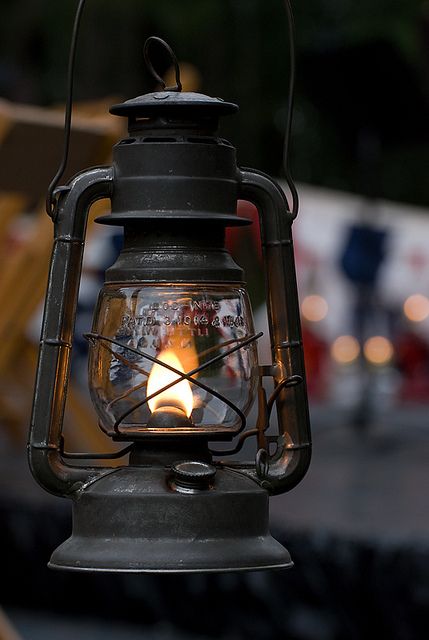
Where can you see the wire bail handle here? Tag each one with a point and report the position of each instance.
(51, 201)
(151, 69)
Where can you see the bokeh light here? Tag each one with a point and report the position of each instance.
(314, 308)
(416, 307)
(345, 349)
(378, 350)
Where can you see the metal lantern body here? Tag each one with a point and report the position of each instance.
(173, 361)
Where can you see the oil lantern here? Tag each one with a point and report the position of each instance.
(173, 365)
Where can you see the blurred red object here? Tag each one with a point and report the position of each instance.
(316, 355)
(412, 360)
(236, 236)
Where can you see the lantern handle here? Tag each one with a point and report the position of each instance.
(289, 108)
(72, 204)
(50, 199)
(151, 69)
(282, 470)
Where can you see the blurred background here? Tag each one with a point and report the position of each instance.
(358, 524)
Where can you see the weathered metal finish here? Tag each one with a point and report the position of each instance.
(174, 168)
(132, 520)
(282, 471)
(178, 251)
(179, 104)
(53, 367)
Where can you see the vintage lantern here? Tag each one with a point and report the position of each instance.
(173, 357)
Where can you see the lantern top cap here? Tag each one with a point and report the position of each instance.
(170, 103)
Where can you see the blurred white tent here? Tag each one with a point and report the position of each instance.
(320, 232)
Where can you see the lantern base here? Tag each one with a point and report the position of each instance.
(131, 520)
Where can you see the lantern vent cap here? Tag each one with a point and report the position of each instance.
(176, 103)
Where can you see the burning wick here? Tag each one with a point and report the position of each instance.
(172, 407)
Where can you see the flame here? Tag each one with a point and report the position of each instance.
(179, 395)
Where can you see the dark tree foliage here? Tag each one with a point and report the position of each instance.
(362, 92)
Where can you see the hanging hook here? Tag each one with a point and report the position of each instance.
(151, 69)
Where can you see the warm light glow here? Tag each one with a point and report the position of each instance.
(416, 307)
(314, 308)
(378, 350)
(345, 349)
(179, 395)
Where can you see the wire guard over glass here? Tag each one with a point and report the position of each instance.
(93, 337)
